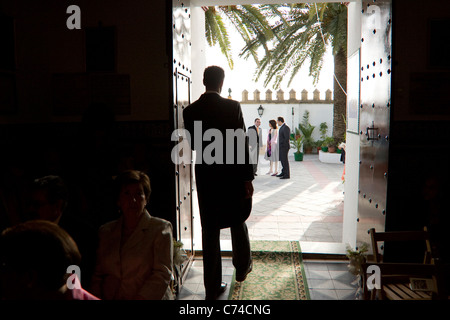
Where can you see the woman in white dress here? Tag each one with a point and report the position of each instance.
(272, 153)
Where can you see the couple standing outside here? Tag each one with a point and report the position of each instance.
(277, 146)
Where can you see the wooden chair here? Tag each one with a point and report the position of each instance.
(399, 236)
(396, 278)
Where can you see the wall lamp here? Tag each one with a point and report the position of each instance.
(260, 110)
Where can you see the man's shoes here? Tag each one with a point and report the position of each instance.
(279, 175)
(284, 177)
(222, 289)
(242, 277)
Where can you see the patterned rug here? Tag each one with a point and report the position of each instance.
(277, 273)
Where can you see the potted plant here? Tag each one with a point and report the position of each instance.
(356, 259)
(179, 257)
(331, 144)
(315, 147)
(307, 129)
(323, 128)
(318, 144)
(297, 143)
(326, 143)
(332, 147)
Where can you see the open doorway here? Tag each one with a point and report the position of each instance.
(344, 201)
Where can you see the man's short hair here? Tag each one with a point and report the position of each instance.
(55, 188)
(213, 76)
(281, 119)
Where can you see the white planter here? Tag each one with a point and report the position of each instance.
(327, 157)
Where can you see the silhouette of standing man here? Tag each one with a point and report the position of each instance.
(283, 145)
(224, 189)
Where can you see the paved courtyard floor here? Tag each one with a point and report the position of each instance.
(307, 207)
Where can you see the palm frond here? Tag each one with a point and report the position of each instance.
(216, 33)
(289, 35)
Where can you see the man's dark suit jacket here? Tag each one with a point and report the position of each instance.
(220, 187)
(283, 137)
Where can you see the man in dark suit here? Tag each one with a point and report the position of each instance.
(284, 145)
(254, 143)
(224, 180)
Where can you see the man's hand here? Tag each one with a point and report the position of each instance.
(248, 189)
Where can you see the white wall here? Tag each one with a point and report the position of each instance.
(352, 144)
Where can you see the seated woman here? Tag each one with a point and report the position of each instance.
(135, 252)
(36, 261)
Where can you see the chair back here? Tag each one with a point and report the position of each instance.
(400, 236)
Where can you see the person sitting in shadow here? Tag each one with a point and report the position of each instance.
(49, 201)
(135, 252)
(35, 257)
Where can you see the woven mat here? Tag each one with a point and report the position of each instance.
(277, 274)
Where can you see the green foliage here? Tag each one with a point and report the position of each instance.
(250, 21)
(299, 41)
(323, 128)
(216, 32)
(297, 142)
(328, 141)
(306, 130)
(361, 251)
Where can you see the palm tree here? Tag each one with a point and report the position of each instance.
(300, 33)
(250, 22)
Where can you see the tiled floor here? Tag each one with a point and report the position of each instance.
(330, 280)
(193, 288)
(327, 280)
